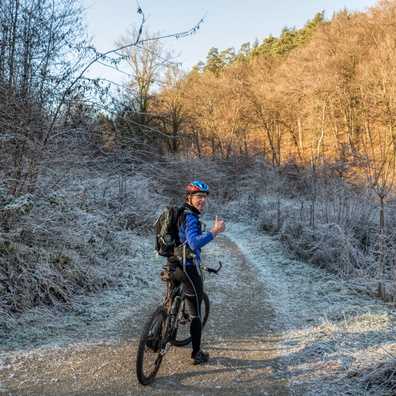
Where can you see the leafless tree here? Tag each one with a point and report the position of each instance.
(42, 45)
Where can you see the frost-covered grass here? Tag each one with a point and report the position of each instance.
(90, 315)
(339, 231)
(332, 332)
(72, 246)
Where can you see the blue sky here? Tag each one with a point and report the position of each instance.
(227, 23)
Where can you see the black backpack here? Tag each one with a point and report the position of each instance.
(166, 230)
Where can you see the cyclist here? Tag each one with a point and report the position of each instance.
(190, 233)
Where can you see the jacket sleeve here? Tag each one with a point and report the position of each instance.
(195, 238)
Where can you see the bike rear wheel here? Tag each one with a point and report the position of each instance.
(150, 349)
(183, 336)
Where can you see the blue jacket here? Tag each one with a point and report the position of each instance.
(190, 231)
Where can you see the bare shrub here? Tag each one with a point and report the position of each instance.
(72, 241)
(32, 277)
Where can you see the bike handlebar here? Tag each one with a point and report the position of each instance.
(212, 270)
(172, 268)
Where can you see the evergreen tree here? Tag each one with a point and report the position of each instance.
(213, 62)
(289, 39)
(243, 52)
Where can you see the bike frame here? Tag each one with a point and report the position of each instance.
(172, 318)
(154, 345)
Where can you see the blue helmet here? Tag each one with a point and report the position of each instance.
(197, 186)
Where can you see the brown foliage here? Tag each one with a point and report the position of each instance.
(332, 99)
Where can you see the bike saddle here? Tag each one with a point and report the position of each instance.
(169, 267)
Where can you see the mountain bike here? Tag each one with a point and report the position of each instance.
(167, 325)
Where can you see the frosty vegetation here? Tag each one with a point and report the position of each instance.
(84, 171)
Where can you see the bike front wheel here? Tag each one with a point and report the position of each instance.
(183, 336)
(151, 348)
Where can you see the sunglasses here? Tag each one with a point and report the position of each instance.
(200, 196)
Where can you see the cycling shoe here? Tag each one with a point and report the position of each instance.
(200, 357)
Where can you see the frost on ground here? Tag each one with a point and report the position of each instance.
(327, 333)
(331, 332)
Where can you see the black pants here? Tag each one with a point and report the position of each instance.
(193, 289)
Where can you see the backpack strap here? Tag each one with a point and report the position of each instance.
(182, 251)
(180, 219)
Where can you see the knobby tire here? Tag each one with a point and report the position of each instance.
(149, 355)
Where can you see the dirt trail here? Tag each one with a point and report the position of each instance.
(242, 337)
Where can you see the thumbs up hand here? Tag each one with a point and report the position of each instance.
(218, 227)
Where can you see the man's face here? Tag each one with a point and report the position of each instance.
(198, 200)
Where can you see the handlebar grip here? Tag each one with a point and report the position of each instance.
(212, 270)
